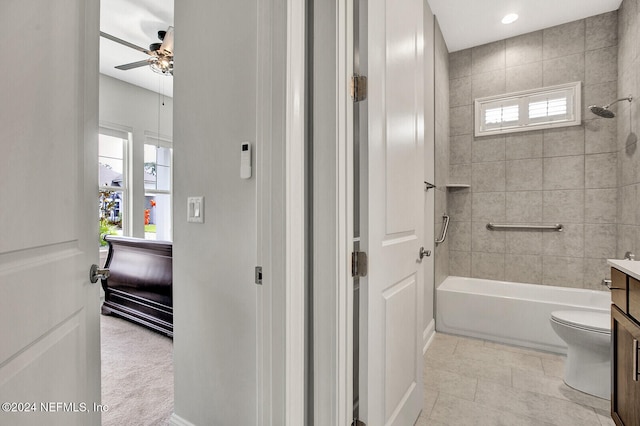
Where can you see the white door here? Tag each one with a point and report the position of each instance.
(49, 322)
(392, 217)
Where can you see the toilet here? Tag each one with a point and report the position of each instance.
(588, 336)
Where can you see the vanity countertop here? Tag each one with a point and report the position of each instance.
(629, 267)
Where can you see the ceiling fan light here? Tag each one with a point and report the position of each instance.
(162, 66)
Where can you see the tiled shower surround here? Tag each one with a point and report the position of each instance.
(566, 175)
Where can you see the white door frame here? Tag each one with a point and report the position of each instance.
(280, 160)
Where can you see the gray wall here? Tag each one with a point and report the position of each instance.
(441, 151)
(140, 111)
(562, 175)
(628, 120)
(215, 298)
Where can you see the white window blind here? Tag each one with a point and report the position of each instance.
(547, 107)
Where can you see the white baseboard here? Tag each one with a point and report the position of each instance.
(176, 420)
(427, 335)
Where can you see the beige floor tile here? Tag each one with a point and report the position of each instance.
(471, 368)
(500, 357)
(454, 411)
(443, 381)
(553, 367)
(542, 407)
(520, 349)
(555, 387)
(430, 398)
(443, 345)
(605, 417)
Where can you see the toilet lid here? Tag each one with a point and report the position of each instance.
(594, 321)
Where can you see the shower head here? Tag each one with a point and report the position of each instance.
(604, 111)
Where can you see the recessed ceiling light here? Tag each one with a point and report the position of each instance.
(511, 17)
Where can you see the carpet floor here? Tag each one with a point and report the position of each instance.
(137, 374)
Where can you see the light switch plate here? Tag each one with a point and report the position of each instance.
(195, 209)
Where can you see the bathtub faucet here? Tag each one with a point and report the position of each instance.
(629, 256)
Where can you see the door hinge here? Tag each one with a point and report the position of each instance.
(259, 275)
(357, 422)
(358, 264)
(358, 87)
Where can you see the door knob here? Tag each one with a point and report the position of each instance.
(96, 273)
(424, 253)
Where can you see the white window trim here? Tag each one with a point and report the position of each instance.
(522, 96)
(126, 134)
(163, 142)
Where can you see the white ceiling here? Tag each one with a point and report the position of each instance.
(464, 23)
(468, 23)
(138, 22)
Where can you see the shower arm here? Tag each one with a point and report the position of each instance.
(628, 98)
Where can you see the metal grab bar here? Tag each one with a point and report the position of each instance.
(496, 226)
(443, 236)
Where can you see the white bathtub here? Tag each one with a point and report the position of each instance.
(508, 312)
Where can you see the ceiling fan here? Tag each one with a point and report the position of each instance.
(160, 54)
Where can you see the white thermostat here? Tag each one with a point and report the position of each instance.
(245, 160)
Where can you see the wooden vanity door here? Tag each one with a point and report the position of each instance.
(625, 401)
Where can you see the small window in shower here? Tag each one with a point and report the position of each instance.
(543, 108)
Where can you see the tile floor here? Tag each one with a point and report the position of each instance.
(480, 383)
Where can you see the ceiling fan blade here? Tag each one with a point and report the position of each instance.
(167, 42)
(125, 43)
(133, 65)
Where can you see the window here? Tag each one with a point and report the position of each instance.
(112, 182)
(157, 196)
(544, 108)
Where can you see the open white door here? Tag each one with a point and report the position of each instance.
(49, 321)
(392, 217)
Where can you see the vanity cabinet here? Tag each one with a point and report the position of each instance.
(625, 334)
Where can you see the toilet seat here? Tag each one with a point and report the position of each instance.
(590, 321)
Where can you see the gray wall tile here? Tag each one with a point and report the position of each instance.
(488, 177)
(523, 145)
(460, 91)
(600, 240)
(487, 265)
(488, 57)
(524, 49)
(598, 30)
(600, 135)
(598, 94)
(524, 174)
(563, 172)
(460, 64)
(569, 242)
(459, 236)
(460, 149)
(563, 141)
(563, 70)
(563, 40)
(488, 84)
(488, 149)
(564, 206)
(486, 241)
(461, 120)
(460, 263)
(460, 173)
(524, 242)
(600, 205)
(600, 170)
(459, 205)
(488, 207)
(523, 268)
(601, 66)
(524, 77)
(524, 207)
(563, 271)
(595, 270)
